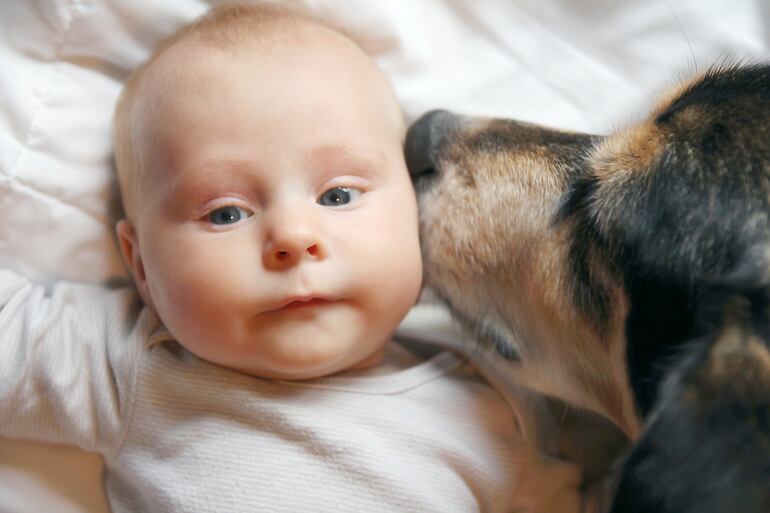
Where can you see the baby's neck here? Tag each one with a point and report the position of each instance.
(394, 357)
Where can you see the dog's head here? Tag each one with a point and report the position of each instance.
(490, 191)
(536, 237)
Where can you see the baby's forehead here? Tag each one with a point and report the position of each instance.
(202, 63)
(188, 61)
(193, 70)
(277, 39)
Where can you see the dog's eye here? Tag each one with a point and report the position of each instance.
(492, 336)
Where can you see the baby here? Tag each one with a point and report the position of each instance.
(271, 231)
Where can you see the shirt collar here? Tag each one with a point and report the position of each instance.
(158, 335)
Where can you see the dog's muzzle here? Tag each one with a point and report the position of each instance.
(425, 140)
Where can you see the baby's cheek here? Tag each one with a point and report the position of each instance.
(177, 302)
(397, 274)
(180, 291)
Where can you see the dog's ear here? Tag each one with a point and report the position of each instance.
(681, 193)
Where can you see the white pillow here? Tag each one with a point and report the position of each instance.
(586, 65)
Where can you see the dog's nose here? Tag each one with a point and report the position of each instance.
(424, 139)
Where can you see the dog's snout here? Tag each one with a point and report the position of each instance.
(424, 139)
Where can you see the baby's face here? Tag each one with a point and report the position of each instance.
(278, 229)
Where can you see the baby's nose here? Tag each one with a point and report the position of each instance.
(291, 243)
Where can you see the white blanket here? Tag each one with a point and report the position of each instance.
(589, 65)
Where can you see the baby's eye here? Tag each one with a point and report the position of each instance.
(228, 215)
(337, 196)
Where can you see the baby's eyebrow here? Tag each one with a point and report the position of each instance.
(211, 172)
(356, 154)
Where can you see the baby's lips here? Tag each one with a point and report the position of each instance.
(303, 301)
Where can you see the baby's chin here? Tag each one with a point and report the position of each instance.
(303, 366)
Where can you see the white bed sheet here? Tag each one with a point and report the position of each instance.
(589, 65)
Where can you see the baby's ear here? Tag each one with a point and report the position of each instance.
(132, 256)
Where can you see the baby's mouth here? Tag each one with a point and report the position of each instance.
(300, 303)
(305, 303)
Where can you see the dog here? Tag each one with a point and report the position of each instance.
(625, 274)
